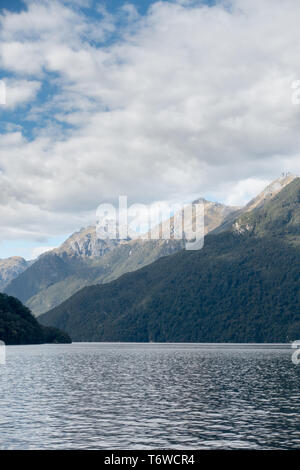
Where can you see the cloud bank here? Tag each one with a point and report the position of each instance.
(185, 101)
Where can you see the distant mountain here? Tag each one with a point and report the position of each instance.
(10, 268)
(83, 259)
(53, 278)
(85, 244)
(18, 325)
(243, 286)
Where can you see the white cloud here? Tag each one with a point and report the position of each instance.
(190, 100)
(19, 92)
(244, 191)
(39, 250)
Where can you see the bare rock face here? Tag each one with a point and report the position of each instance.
(86, 244)
(240, 228)
(215, 214)
(10, 268)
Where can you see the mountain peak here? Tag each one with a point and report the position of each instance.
(270, 191)
(11, 268)
(278, 215)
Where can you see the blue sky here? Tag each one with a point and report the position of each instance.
(31, 248)
(161, 101)
(111, 5)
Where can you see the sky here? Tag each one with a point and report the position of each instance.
(159, 101)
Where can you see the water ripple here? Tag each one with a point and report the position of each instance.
(129, 396)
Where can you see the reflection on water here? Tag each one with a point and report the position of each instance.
(143, 396)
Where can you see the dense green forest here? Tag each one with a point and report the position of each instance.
(19, 326)
(243, 286)
(235, 289)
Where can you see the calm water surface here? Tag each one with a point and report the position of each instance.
(145, 396)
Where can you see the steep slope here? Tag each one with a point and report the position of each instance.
(243, 286)
(86, 244)
(10, 268)
(47, 270)
(270, 191)
(279, 216)
(82, 272)
(18, 325)
(259, 201)
(84, 260)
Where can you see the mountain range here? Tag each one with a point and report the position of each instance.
(243, 286)
(84, 259)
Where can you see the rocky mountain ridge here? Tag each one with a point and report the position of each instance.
(84, 259)
(236, 289)
(10, 268)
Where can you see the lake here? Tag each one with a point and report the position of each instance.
(149, 396)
